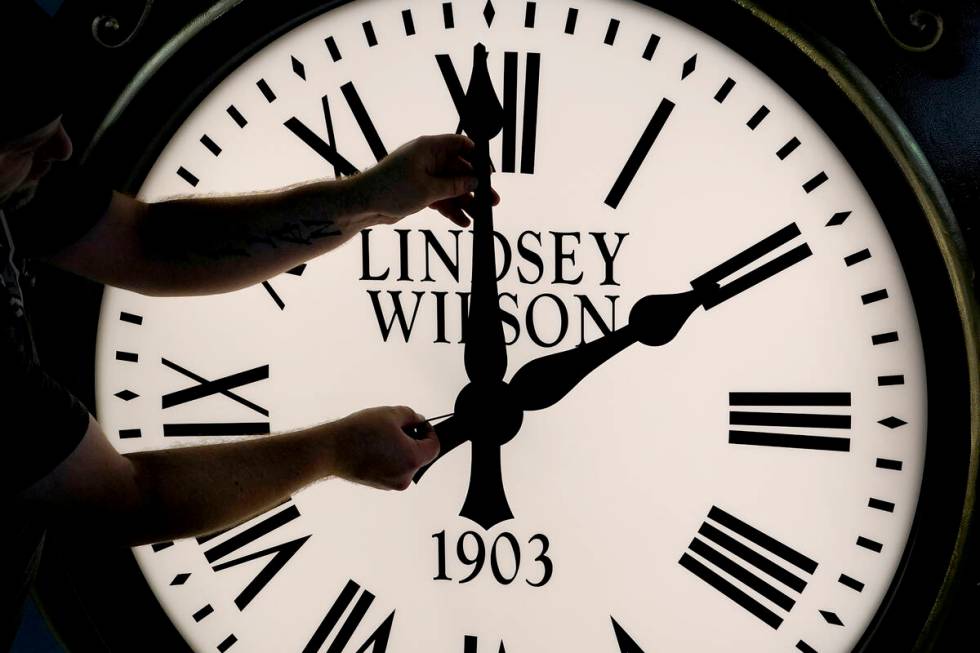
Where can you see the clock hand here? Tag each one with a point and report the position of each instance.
(486, 500)
(485, 353)
(654, 320)
(451, 433)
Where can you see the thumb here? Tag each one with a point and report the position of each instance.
(456, 186)
(428, 448)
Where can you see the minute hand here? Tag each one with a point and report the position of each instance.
(654, 320)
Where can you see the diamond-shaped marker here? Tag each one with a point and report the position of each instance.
(489, 13)
(126, 395)
(180, 579)
(299, 68)
(689, 66)
(838, 218)
(892, 422)
(831, 618)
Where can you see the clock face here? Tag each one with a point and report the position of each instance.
(749, 483)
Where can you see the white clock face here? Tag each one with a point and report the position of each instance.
(748, 486)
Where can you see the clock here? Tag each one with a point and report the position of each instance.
(705, 367)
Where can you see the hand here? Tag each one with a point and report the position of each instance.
(372, 447)
(432, 171)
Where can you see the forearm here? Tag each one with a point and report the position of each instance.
(208, 245)
(195, 490)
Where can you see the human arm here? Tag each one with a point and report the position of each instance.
(161, 495)
(207, 245)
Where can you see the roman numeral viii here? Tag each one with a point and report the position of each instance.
(748, 574)
(377, 641)
(204, 388)
(220, 555)
(527, 107)
(784, 428)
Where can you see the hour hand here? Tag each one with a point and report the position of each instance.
(654, 320)
(451, 434)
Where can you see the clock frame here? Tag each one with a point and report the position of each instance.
(841, 101)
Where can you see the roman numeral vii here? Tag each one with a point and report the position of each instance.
(377, 641)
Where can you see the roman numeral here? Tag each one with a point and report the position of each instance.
(296, 272)
(205, 388)
(757, 594)
(471, 645)
(789, 423)
(640, 152)
(327, 149)
(528, 110)
(708, 285)
(377, 642)
(278, 555)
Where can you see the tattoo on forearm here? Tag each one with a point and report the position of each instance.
(213, 244)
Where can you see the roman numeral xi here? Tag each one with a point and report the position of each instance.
(762, 576)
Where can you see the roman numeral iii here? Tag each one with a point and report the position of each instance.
(783, 427)
(748, 574)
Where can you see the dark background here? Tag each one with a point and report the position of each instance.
(935, 89)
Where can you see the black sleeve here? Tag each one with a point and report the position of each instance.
(42, 421)
(68, 203)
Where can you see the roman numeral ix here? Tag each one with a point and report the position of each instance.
(205, 388)
(796, 430)
(748, 574)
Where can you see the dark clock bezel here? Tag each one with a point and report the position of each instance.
(841, 102)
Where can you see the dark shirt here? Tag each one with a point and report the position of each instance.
(42, 422)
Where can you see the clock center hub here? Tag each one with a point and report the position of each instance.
(490, 411)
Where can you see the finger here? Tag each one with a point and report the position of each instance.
(446, 187)
(404, 415)
(452, 211)
(446, 148)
